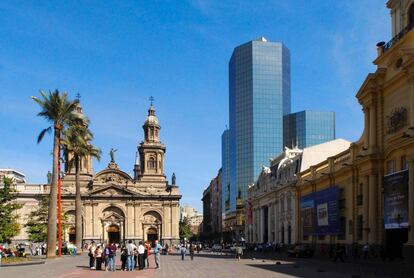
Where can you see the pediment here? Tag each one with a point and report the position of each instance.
(113, 191)
(112, 176)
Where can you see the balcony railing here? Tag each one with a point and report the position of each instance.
(397, 37)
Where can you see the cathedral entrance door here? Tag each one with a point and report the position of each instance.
(152, 235)
(72, 235)
(114, 235)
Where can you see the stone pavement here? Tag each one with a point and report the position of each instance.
(204, 265)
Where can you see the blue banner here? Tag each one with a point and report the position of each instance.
(320, 212)
(396, 200)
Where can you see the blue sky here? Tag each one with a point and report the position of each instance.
(117, 54)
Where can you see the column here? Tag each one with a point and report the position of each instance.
(372, 125)
(97, 224)
(261, 224)
(166, 228)
(88, 221)
(411, 202)
(365, 203)
(366, 126)
(174, 222)
(130, 220)
(138, 225)
(373, 208)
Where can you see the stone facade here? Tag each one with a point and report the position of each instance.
(386, 148)
(212, 208)
(116, 206)
(271, 209)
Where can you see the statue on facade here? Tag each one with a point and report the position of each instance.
(173, 179)
(49, 177)
(112, 154)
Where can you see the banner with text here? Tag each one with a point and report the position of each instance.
(320, 213)
(396, 200)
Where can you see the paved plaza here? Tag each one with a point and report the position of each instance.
(214, 265)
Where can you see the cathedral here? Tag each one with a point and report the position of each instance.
(116, 206)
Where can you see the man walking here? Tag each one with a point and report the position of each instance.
(130, 255)
(141, 251)
(112, 257)
(183, 251)
(157, 250)
(92, 249)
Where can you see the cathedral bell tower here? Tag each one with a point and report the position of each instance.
(85, 165)
(151, 151)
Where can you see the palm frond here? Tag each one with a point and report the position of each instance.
(42, 133)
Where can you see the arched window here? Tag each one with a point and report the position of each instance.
(411, 16)
(151, 163)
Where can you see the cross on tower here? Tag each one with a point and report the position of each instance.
(151, 99)
(78, 96)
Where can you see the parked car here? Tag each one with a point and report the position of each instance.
(301, 251)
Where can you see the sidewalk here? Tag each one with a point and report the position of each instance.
(372, 266)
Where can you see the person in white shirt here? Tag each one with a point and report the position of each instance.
(130, 255)
(141, 250)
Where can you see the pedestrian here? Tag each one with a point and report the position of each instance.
(124, 254)
(106, 258)
(112, 257)
(157, 250)
(147, 254)
(91, 254)
(141, 252)
(135, 258)
(365, 250)
(239, 252)
(192, 251)
(98, 255)
(183, 251)
(166, 249)
(339, 253)
(130, 255)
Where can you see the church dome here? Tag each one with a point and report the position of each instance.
(151, 119)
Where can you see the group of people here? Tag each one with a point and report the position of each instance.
(132, 256)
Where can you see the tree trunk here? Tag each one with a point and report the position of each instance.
(52, 216)
(78, 205)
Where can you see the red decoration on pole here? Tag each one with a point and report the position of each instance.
(59, 206)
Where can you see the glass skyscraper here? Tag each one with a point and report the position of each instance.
(307, 128)
(259, 97)
(225, 171)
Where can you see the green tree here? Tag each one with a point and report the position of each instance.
(184, 229)
(9, 227)
(36, 225)
(77, 145)
(37, 222)
(60, 112)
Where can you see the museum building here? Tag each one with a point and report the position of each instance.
(116, 206)
(365, 194)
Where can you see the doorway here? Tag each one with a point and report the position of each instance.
(114, 235)
(72, 235)
(395, 242)
(152, 235)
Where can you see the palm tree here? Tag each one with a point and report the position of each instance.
(77, 145)
(60, 111)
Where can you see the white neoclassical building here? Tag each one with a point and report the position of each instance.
(271, 208)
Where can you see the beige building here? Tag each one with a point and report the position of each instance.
(16, 176)
(271, 207)
(374, 178)
(194, 218)
(116, 206)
